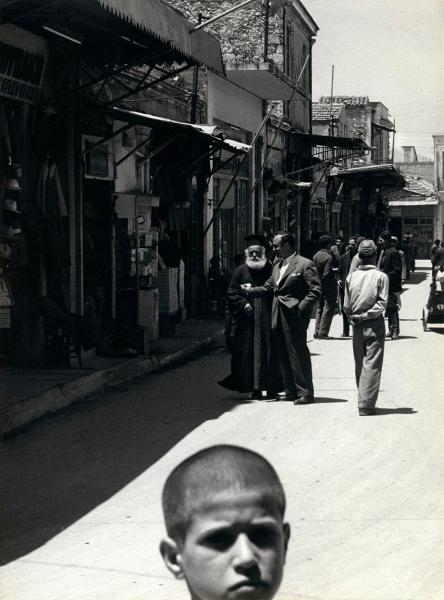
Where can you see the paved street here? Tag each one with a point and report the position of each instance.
(82, 516)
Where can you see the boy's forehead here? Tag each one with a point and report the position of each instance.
(247, 501)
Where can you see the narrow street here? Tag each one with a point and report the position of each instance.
(81, 510)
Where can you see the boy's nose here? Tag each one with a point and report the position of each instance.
(244, 555)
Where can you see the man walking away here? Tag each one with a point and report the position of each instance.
(295, 287)
(434, 249)
(323, 259)
(366, 298)
(390, 263)
(344, 269)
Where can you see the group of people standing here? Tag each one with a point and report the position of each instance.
(271, 303)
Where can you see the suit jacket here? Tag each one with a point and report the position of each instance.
(391, 265)
(297, 291)
(324, 261)
(344, 265)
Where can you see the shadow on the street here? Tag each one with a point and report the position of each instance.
(439, 330)
(409, 320)
(416, 277)
(65, 465)
(395, 411)
(406, 337)
(322, 400)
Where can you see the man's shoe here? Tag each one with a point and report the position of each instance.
(304, 400)
(345, 334)
(324, 337)
(315, 336)
(282, 397)
(395, 336)
(367, 412)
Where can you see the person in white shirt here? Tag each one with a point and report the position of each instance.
(365, 302)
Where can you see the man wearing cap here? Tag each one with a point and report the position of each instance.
(295, 288)
(390, 263)
(366, 298)
(323, 259)
(253, 363)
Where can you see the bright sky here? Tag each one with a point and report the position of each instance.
(389, 50)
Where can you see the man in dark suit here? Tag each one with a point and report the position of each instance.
(323, 259)
(390, 263)
(295, 286)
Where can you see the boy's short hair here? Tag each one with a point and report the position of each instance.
(211, 471)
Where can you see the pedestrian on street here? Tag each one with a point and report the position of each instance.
(337, 250)
(295, 287)
(434, 249)
(390, 263)
(224, 511)
(345, 261)
(366, 299)
(395, 244)
(323, 259)
(254, 365)
(217, 284)
(356, 261)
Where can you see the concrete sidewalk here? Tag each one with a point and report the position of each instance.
(26, 394)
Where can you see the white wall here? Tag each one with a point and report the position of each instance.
(233, 105)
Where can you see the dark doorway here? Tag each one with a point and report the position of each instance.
(97, 243)
(396, 227)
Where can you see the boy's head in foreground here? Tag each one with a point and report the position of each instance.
(224, 514)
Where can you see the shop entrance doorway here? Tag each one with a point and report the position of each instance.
(98, 248)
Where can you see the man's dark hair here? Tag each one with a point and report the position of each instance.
(325, 241)
(437, 241)
(386, 235)
(287, 238)
(199, 478)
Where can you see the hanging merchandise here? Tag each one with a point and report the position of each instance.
(53, 209)
(11, 206)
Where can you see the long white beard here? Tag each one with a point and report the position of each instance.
(256, 264)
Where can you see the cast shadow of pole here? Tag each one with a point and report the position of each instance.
(403, 410)
(323, 400)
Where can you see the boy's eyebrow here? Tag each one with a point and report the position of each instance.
(268, 522)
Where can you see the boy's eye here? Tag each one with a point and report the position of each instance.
(220, 540)
(263, 536)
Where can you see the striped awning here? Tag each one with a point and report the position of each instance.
(160, 20)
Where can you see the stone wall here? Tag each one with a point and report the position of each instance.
(241, 34)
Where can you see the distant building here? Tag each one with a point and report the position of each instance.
(413, 209)
(364, 181)
(438, 142)
(368, 121)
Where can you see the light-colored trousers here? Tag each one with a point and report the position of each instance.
(368, 351)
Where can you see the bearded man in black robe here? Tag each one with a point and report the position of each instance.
(253, 363)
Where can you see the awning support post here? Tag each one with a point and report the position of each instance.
(241, 162)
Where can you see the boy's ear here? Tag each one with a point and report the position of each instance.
(287, 532)
(172, 557)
